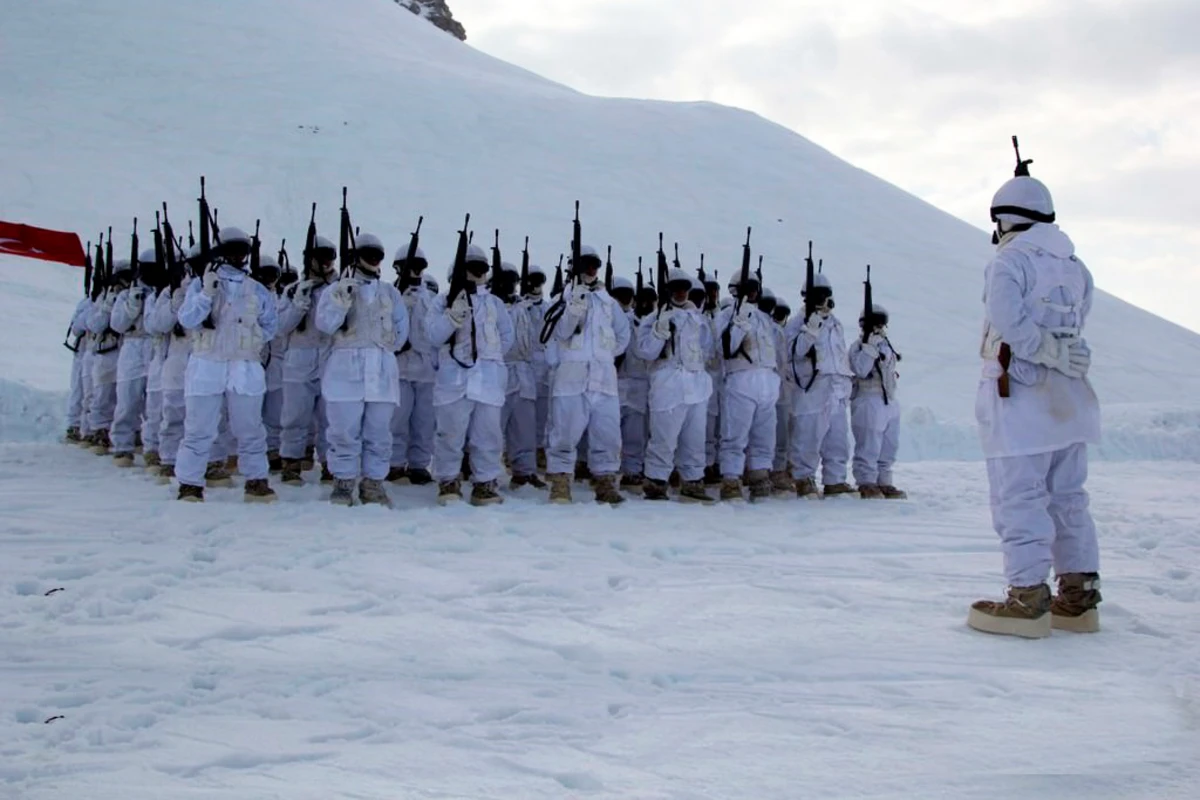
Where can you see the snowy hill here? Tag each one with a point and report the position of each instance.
(282, 103)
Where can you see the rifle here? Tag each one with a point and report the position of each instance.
(758, 274)
(555, 312)
(160, 254)
(498, 279)
(556, 288)
(576, 245)
(663, 296)
(98, 278)
(345, 238)
(743, 284)
(525, 269)
(676, 263)
(310, 244)
(868, 308)
(608, 275)
(174, 263)
(102, 348)
(458, 285)
(810, 301)
(205, 225)
(640, 283)
(404, 279)
(133, 256)
(700, 272)
(191, 238)
(255, 248)
(1022, 170)
(285, 263)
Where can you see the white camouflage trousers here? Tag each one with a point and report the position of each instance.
(876, 428)
(413, 426)
(466, 421)
(677, 438)
(360, 439)
(127, 416)
(518, 420)
(1040, 510)
(597, 415)
(303, 407)
(201, 425)
(747, 433)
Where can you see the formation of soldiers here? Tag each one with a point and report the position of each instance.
(241, 365)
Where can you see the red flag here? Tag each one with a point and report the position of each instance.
(31, 242)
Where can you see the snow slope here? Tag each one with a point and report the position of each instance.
(282, 103)
(778, 651)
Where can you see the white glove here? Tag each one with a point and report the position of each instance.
(1057, 355)
(302, 302)
(814, 324)
(1080, 357)
(459, 309)
(341, 292)
(871, 349)
(211, 281)
(133, 300)
(875, 340)
(662, 325)
(745, 313)
(579, 303)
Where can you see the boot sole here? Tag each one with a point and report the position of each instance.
(1087, 622)
(293, 482)
(446, 500)
(123, 464)
(707, 501)
(491, 501)
(191, 499)
(561, 501)
(219, 483)
(1010, 626)
(264, 500)
(341, 501)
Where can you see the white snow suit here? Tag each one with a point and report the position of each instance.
(874, 410)
(413, 422)
(820, 427)
(751, 390)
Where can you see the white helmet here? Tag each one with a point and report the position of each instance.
(402, 254)
(621, 282)
(267, 260)
(321, 243)
(122, 265)
(820, 280)
(147, 256)
(1022, 200)
(509, 268)
(232, 234)
(368, 241)
(677, 275)
(476, 253)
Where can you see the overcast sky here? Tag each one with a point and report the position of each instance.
(1105, 95)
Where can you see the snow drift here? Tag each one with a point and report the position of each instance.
(282, 103)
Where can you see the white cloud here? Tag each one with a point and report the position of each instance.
(1105, 96)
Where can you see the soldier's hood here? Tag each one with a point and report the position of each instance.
(1044, 236)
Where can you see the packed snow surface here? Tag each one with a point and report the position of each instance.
(785, 650)
(280, 104)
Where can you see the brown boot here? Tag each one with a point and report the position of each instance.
(124, 460)
(1074, 609)
(343, 492)
(190, 494)
(869, 491)
(372, 492)
(633, 483)
(310, 459)
(731, 490)
(258, 490)
(782, 484)
(101, 444)
(760, 485)
(560, 488)
(606, 489)
(397, 475)
(1025, 613)
(485, 494)
(806, 489)
(231, 464)
(654, 490)
(892, 493)
(72, 436)
(694, 492)
(217, 476)
(526, 480)
(293, 472)
(274, 462)
(166, 473)
(835, 489)
(449, 492)
(151, 461)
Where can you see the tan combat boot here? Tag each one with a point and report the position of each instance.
(217, 476)
(731, 490)
(1074, 609)
(806, 489)
(124, 460)
(782, 484)
(486, 493)
(892, 493)
(372, 492)
(449, 492)
(760, 485)
(1025, 613)
(835, 489)
(560, 488)
(258, 490)
(606, 489)
(151, 461)
(293, 472)
(869, 491)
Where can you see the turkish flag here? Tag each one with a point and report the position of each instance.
(31, 242)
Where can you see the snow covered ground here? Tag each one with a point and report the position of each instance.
(790, 650)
